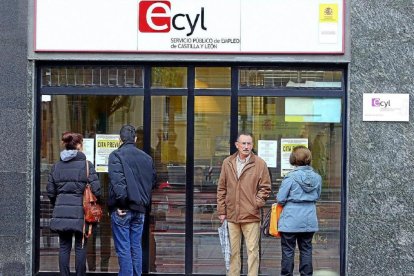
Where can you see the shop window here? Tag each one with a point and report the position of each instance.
(275, 78)
(313, 120)
(212, 77)
(319, 129)
(169, 77)
(95, 117)
(89, 76)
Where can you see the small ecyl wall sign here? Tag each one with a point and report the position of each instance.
(386, 107)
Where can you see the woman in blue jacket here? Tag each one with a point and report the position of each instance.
(299, 191)
(66, 183)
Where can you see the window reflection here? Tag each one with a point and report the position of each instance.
(168, 149)
(81, 76)
(275, 78)
(212, 77)
(265, 118)
(211, 146)
(169, 77)
(88, 115)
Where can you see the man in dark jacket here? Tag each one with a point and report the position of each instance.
(132, 178)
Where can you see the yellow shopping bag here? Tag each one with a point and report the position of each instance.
(274, 219)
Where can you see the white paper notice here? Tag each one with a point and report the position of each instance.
(267, 150)
(105, 144)
(89, 149)
(287, 146)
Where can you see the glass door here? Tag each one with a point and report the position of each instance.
(211, 147)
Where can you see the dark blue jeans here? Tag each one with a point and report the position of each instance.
(65, 241)
(288, 242)
(127, 234)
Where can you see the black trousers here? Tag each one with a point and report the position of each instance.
(288, 242)
(65, 240)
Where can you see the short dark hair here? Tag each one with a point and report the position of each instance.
(127, 133)
(70, 140)
(300, 156)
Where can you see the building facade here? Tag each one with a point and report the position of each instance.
(188, 107)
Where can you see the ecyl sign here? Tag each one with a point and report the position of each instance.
(376, 102)
(386, 107)
(156, 17)
(189, 26)
(170, 25)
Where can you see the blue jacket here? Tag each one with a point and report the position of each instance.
(299, 191)
(132, 178)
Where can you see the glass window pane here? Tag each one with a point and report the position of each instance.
(275, 78)
(79, 76)
(167, 223)
(265, 117)
(71, 76)
(92, 76)
(169, 77)
(211, 146)
(87, 76)
(88, 115)
(212, 77)
(54, 76)
(46, 76)
(62, 77)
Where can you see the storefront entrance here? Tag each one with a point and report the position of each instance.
(187, 118)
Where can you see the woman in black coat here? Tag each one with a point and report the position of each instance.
(66, 183)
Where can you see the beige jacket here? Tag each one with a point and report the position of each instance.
(241, 199)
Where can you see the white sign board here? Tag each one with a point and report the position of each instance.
(190, 26)
(386, 107)
(89, 149)
(287, 146)
(267, 150)
(105, 144)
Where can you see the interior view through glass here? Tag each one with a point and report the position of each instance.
(277, 123)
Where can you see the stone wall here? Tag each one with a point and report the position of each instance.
(15, 137)
(380, 154)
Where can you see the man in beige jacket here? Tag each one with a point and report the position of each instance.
(243, 188)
